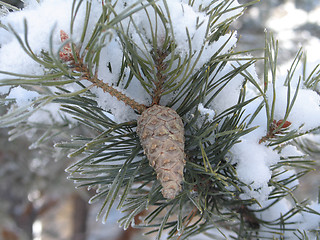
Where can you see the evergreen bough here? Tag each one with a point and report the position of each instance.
(110, 158)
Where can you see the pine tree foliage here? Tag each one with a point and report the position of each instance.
(110, 158)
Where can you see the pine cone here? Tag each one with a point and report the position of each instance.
(161, 133)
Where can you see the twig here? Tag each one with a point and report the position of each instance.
(159, 58)
(79, 66)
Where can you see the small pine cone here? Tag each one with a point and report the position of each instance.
(161, 133)
(66, 53)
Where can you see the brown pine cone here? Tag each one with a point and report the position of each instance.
(161, 133)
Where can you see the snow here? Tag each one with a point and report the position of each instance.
(303, 221)
(253, 161)
(290, 151)
(22, 96)
(47, 114)
(309, 219)
(186, 18)
(4, 90)
(221, 46)
(11, 63)
(305, 110)
(231, 8)
(275, 212)
(287, 175)
(51, 12)
(229, 94)
(209, 113)
(57, 15)
(287, 17)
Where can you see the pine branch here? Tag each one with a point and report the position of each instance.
(115, 93)
(111, 158)
(159, 56)
(77, 65)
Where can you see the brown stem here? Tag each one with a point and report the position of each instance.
(159, 58)
(119, 95)
(83, 68)
(79, 66)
